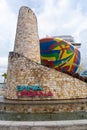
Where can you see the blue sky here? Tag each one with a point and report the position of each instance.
(55, 17)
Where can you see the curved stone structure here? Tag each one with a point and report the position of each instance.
(27, 40)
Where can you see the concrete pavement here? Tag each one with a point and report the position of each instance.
(44, 125)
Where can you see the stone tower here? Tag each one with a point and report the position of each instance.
(27, 40)
(26, 45)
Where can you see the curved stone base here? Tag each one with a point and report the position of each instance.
(51, 106)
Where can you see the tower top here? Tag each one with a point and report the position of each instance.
(27, 40)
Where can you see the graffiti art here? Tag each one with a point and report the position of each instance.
(59, 54)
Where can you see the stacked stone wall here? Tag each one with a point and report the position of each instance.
(26, 72)
(27, 40)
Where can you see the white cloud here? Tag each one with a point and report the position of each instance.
(7, 34)
(7, 26)
(3, 62)
(59, 17)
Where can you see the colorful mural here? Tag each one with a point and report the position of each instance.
(59, 54)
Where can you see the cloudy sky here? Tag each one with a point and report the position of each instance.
(55, 17)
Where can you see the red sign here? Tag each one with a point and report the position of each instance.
(34, 93)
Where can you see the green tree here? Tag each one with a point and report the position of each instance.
(5, 77)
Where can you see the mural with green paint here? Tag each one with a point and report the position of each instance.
(32, 91)
(59, 54)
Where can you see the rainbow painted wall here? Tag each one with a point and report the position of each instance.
(60, 55)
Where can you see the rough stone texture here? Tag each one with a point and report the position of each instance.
(23, 71)
(51, 106)
(27, 41)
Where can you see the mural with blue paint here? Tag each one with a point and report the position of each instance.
(25, 87)
(32, 91)
(59, 54)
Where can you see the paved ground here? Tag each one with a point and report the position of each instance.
(44, 125)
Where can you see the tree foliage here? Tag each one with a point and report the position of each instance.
(5, 77)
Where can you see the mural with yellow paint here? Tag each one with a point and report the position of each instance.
(59, 54)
